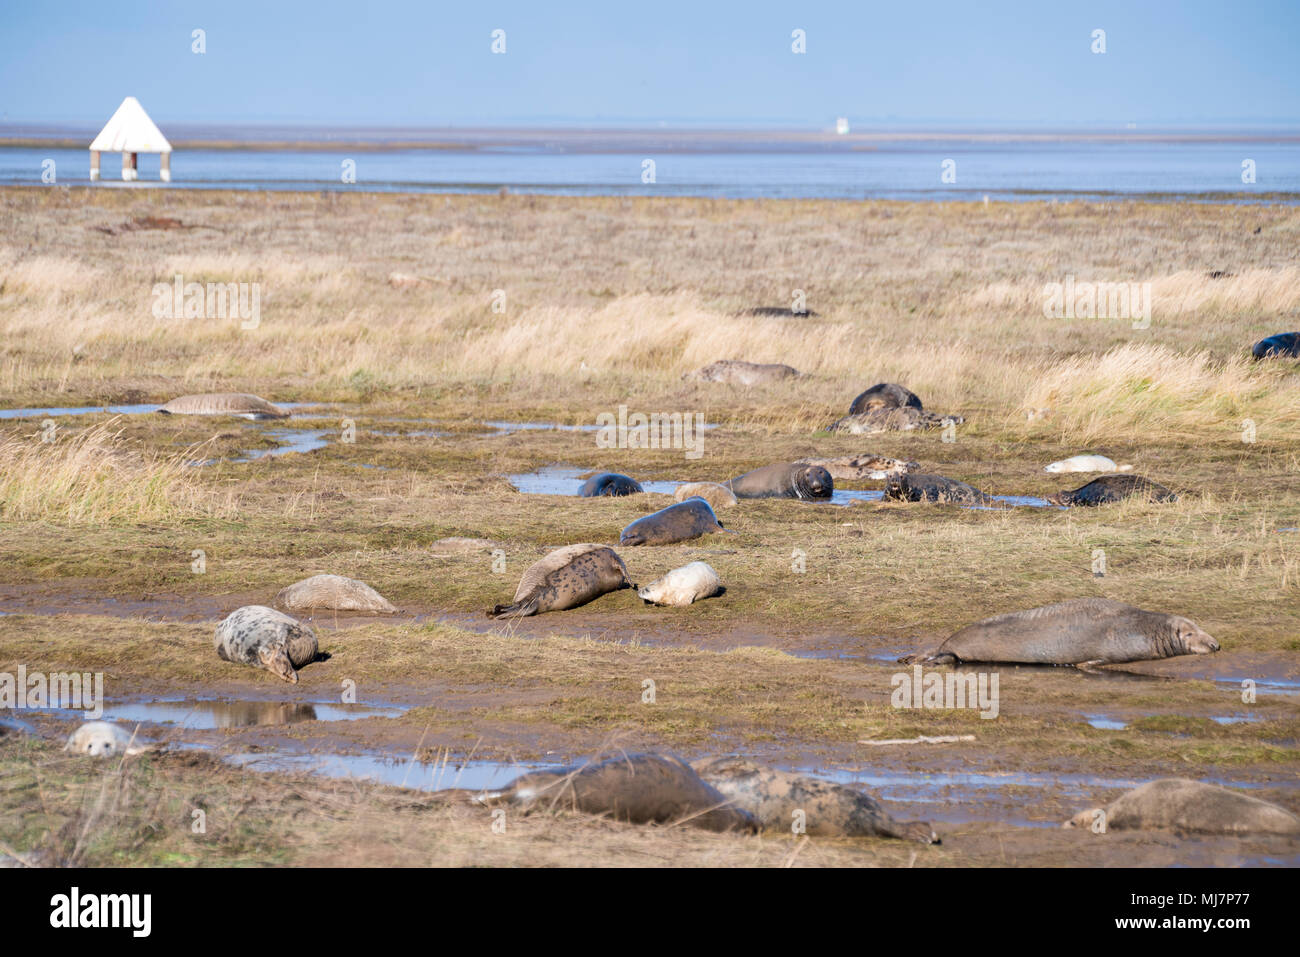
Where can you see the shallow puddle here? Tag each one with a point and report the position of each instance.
(563, 480)
(208, 714)
(140, 409)
(398, 772)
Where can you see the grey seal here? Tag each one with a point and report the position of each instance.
(224, 403)
(1284, 344)
(566, 578)
(718, 496)
(333, 592)
(885, 395)
(609, 483)
(1192, 806)
(892, 419)
(925, 487)
(676, 523)
(738, 372)
(1114, 488)
(852, 468)
(265, 638)
(784, 480)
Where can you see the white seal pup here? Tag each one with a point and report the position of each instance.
(265, 638)
(683, 586)
(1087, 463)
(103, 739)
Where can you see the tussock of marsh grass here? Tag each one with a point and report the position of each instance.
(93, 477)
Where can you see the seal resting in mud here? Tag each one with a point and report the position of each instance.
(683, 586)
(1082, 631)
(830, 810)
(224, 403)
(609, 483)
(265, 638)
(103, 739)
(718, 496)
(1192, 806)
(333, 592)
(738, 372)
(1284, 344)
(676, 523)
(857, 467)
(1114, 488)
(925, 487)
(1086, 463)
(636, 788)
(784, 480)
(566, 578)
(885, 395)
(889, 419)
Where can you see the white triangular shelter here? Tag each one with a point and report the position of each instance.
(130, 132)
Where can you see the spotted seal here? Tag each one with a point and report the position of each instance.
(636, 788)
(738, 372)
(103, 739)
(683, 586)
(829, 809)
(891, 419)
(335, 593)
(718, 496)
(676, 523)
(609, 483)
(224, 403)
(1086, 463)
(1114, 488)
(850, 468)
(784, 480)
(265, 638)
(925, 487)
(1082, 631)
(1284, 344)
(566, 578)
(1190, 806)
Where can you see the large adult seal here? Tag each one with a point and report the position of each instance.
(566, 578)
(103, 739)
(829, 810)
(609, 483)
(676, 523)
(1083, 631)
(738, 372)
(636, 788)
(890, 419)
(784, 480)
(224, 403)
(333, 593)
(1284, 344)
(852, 468)
(885, 395)
(1192, 806)
(718, 496)
(925, 487)
(1114, 488)
(265, 638)
(683, 586)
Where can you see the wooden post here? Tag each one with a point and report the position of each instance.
(130, 162)
(94, 166)
(165, 170)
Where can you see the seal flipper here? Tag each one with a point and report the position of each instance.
(919, 831)
(929, 658)
(518, 609)
(277, 662)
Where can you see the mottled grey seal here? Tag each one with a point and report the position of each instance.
(335, 593)
(265, 638)
(1283, 344)
(1081, 631)
(103, 739)
(851, 468)
(684, 585)
(884, 395)
(925, 487)
(1114, 488)
(224, 403)
(901, 419)
(609, 483)
(738, 372)
(1192, 806)
(676, 523)
(830, 810)
(637, 788)
(784, 480)
(718, 496)
(566, 578)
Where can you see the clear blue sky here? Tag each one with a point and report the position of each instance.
(428, 63)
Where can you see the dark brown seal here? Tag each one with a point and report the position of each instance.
(885, 395)
(1082, 631)
(1114, 488)
(1192, 806)
(676, 523)
(637, 788)
(925, 487)
(566, 578)
(784, 480)
(609, 483)
(829, 809)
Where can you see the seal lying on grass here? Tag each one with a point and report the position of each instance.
(925, 487)
(335, 593)
(1284, 344)
(1114, 488)
(902, 419)
(676, 523)
(830, 810)
(103, 739)
(1083, 631)
(224, 403)
(609, 483)
(785, 480)
(851, 468)
(1186, 805)
(566, 578)
(1087, 463)
(885, 395)
(683, 586)
(738, 372)
(636, 788)
(265, 638)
